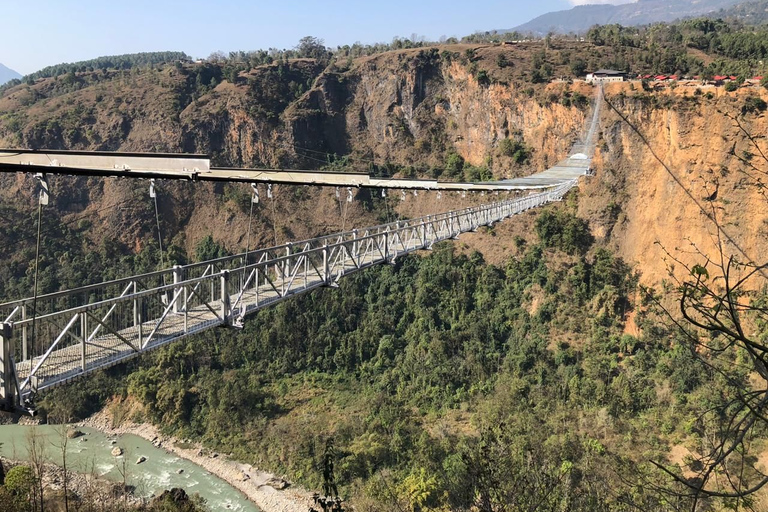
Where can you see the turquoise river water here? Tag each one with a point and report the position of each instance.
(92, 454)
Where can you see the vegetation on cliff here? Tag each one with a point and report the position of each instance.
(445, 382)
(543, 380)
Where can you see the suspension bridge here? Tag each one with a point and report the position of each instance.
(49, 340)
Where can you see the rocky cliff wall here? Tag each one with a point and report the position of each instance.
(705, 189)
(406, 108)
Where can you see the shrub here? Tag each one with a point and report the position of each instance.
(578, 67)
(19, 481)
(514, 149)
(564, 231)
(482, 77)
(579, 100)
(454, 165)
(753, 104)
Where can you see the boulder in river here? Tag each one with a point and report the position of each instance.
(175, 496)
(74, 433)
(180, 471)
(277, 483)
(141, 459)
(117, 451)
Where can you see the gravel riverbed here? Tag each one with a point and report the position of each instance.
(259, 486)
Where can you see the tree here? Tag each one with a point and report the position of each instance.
(578, 67)
(208, 249)
(482, 78)
(330, 500)
(121, 463)
(537, 77)
(37, 457)
(723, 320)
(754, 105)
(454, 165)
(20, 483)
(564, 231)
(61, 441)
(217, 57)
(312, 48)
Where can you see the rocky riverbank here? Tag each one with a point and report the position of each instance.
(268, 492)
(85, 486)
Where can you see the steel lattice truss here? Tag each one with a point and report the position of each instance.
(85, 329)
(71, 333)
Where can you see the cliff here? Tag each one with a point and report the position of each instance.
(406, 111)
(704, 190)
(403, 111)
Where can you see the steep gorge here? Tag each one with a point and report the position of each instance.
(446, 348)
(711, 171)
(406, 110)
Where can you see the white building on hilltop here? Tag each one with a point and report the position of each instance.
(606, 75)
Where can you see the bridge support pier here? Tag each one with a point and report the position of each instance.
(177, 278)
(226, 306)
(8, 387)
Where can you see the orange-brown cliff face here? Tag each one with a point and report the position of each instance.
(409, 108)
(709, 170)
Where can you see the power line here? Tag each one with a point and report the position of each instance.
(53, 229)
(682, 186)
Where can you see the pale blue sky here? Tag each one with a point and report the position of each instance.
(39, 33)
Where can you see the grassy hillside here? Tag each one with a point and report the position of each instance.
(519, 368)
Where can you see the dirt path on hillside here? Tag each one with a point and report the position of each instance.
(255, 484)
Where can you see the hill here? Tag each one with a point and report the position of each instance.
(581, 18)
(519, 364)
(749, 13)
(7, 74)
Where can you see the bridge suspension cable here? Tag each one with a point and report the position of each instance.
(96, 326)
(100, 325)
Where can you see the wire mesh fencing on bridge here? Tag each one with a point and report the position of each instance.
(77, 331)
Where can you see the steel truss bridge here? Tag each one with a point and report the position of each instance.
(49, 340)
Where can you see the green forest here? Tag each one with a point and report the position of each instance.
(443, 381)
(549, 381)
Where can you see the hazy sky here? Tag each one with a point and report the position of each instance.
(44, 32)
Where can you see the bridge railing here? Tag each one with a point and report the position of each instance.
(20, 309)
(78, 331)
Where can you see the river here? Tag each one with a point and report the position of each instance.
(92, 453)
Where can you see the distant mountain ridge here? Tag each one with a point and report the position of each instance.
(7, 74)
(581, 18)
(749, 13)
